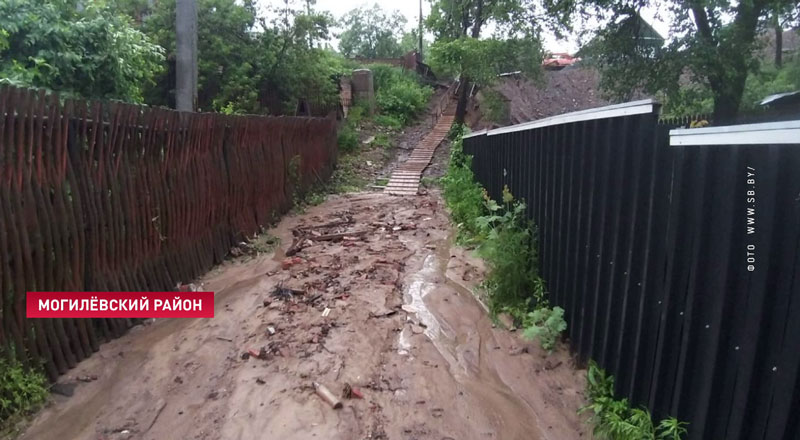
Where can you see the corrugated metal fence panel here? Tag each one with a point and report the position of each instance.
(109, 196)
(645, 247)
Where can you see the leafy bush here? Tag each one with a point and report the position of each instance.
(21, 390)
(383, 75)
(463, 196)
(356, 114)
(616, 420)
(403, 99)
(507, 242)
(509, 248)
(388, 121)
(94, 52)
(348, 139)
(382, 140)
(546, 324)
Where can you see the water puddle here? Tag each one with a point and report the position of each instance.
(421, 285)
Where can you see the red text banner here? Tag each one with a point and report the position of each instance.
(120, 305)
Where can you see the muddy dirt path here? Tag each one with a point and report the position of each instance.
(402, 328)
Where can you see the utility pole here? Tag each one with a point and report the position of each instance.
(420, 29)
(186, 60)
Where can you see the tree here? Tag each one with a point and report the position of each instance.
(714, 46)
(410, 41)
(225, 48)
(250, 63)
(93, 53)
(371, 33)
(457, 25)
(784, 14)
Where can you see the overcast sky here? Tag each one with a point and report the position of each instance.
(410, 8)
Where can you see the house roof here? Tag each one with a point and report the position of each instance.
(639, 27)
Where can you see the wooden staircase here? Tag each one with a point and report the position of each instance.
(406, 178)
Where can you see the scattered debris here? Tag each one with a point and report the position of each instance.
(325, 394)
(348, 392)
(64, 388)
(550, 366)
(345, 221)
(271, 330)
(191, 287)
(289, 262)
(296, 246)
(382, 313)
(286, 293)
(339, 236)
(262, 354)
(313, 298)
(517, 351)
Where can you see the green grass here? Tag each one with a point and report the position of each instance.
(382, 140)
(348, 139)
(388, 121)
(614, 419)
(22, 391)
(429, 182)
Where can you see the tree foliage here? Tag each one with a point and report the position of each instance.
(713, 45)
(372, 33)
(249, 63)
(481, 60)
(514, 44)
(93, 52)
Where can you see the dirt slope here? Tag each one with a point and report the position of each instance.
(403, 328)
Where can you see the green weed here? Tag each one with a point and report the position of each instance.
(388, 121)
(382, 140)
(546, 324)
(429, 182)
(357, 114)
(21, 390)
(615, 420)
(506, 240)
(348, 139)
(463, 196)
(403, 99)
(509, 248)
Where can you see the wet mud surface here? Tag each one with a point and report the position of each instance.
(375, 297)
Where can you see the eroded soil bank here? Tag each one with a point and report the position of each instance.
(401, 327)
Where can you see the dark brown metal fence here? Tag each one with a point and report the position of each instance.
(105, 196)
(648, 249)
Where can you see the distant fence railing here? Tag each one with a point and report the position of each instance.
(686, 121)
(678, 266)
(443, 102)
(105, 196)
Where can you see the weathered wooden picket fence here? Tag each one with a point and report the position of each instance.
(675, 254)
(103, 196)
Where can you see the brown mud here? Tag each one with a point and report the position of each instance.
(401, 326)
